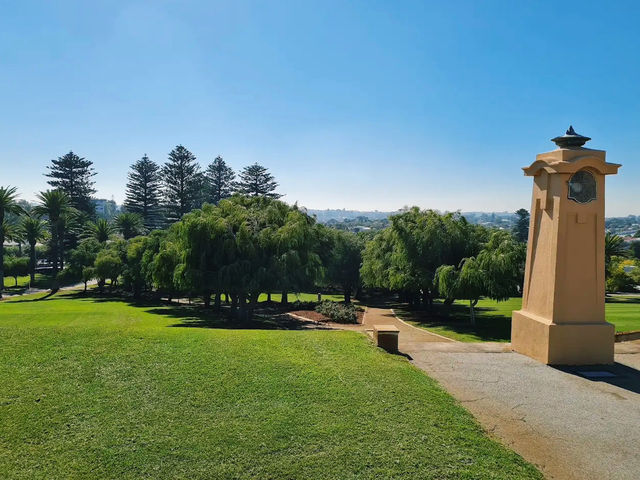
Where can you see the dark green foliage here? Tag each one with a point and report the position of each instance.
(72, 174)
(634, 248)
(144, 190)
(342, 260)
(84, 255)
(220, 181)
(404, 257)
(8, 205)
(495, 272)
(129, 225)
(182, 183)
(99, 230)
(256, 181)
(16, 267)
(613, 247)
(108, 265)
(32, 230)
(338, 312)
(55, 205)
(521, 228)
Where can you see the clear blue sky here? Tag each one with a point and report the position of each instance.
(355, 104)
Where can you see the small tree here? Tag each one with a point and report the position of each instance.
(108, 266)
(345, 259)
(88, 274)
(256, 181)
(17, 267)
(613, 247)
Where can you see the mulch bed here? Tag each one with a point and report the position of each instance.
(314, 316)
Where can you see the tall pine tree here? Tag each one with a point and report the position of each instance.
(72, 174)
(144, 191)
(256, 181)
(182, 183)
(220, 181)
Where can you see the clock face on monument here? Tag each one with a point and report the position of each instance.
(582, 187)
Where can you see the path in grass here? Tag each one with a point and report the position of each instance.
(493, 322)
(99, 388)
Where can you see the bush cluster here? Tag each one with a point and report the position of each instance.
(338, 312)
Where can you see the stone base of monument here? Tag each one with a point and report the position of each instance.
(562, 344)
(386, 336)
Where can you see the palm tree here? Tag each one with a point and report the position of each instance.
(101, 230)
(613, 247)
(56, 206)
(33, 230)
(129, 225)
(8, 204)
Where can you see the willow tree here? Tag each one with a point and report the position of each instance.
(496, 272)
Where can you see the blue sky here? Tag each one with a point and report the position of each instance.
(355, 104)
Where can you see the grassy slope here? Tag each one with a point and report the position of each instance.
(494, 318)
(103, 389)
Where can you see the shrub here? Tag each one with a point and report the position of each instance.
(338, 312)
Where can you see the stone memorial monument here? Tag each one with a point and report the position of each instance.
(562, 317)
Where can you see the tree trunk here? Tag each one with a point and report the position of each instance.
(234, 304)
(347, 295)
(242, 306)
(207, 299)
(285, 298)
(269, 297)
(472, 311)
(85, 287)
(32, 259)
(216, 302)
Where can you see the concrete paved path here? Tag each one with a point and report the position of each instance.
(572, 426)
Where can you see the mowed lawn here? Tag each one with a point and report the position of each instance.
(493, 319)
(97, 388)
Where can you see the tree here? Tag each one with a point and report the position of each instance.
(32, 230)
(496, 272)
(100, 230)
(144, 189)
(129, 225)
(613, 247)
(256, 181)
(406, 255)
(17, 267)
(108, 266)
(220, 181)
(56, 206)
(182, 182)
(88, 274)
(8, 205)
(521, 228)
(72, 174)
(345, 259)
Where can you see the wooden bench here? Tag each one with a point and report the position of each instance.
(386, 336)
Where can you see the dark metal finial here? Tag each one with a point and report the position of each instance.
(571, 139)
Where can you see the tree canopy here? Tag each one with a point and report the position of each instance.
(256, 181)
(73, 175)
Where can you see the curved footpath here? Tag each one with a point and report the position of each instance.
(571, 424)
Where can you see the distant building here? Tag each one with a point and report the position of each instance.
(105, 208)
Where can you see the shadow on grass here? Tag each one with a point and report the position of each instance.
(490, 326)
(266, 317)
(622, 299)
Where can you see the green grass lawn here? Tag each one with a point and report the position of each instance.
(42, 281)
(493, 319)
(99, 388)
